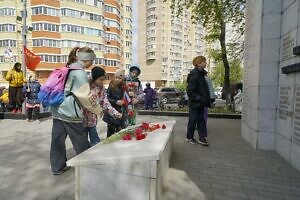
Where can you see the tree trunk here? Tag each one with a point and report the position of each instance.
(225, 62)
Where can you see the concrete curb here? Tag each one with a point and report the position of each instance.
(9, 115)
(186, 114)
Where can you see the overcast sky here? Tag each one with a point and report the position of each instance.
(134, 31)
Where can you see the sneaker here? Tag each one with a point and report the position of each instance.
(202, 141)
(191, 141)
(66, 168)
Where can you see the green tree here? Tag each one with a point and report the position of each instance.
(236, 74)
(214, 15)
(181, 86)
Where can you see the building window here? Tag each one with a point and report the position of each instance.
(112, 23)
(128, 66)
(7, 28)
(97, 3)
(128, 44)
(46, 43)
(114, 50)
(150, 32)
(51, 58)
(128, 20)
(151, 17)
(128, 55)
(111, 9)
(113, 63)
(128, 32)
(81, 15)
(45, 27)
(128, 9)
(151, 54)
(112, 36)
(8, 43)
(152, 24)
(7, 12)
(43, 10)
(151, 46)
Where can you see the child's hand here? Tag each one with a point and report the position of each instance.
(135, 101)
(120, 102)
(131, 94)
(119, 115)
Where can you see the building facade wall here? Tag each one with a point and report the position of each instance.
(58, 26)
(271, 99)
(167, 44)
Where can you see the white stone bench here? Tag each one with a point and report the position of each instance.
(127, 170)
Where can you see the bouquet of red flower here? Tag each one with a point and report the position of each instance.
(139, 132)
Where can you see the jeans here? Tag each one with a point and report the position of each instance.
(93, 135)
(196, 119)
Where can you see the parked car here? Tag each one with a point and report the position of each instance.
(169, 95)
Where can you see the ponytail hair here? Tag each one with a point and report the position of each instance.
(72, 56)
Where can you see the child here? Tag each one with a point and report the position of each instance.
(4, 100)
(115, 95)
(33, 103)
(90, 119)
(135, 92)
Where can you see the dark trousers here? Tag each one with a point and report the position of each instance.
(33, 113)
(15, 97)
(112, 129)
(60, 130)
(196, 119)
(148, 103)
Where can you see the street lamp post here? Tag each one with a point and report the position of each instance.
(24, 43)
(24, 32)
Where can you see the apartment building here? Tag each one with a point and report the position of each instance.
(166, 44)
(58, 26)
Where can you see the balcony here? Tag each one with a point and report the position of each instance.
(151, 56)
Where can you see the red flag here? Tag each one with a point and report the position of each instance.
(31, 59)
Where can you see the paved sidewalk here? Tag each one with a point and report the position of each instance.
(228, 169)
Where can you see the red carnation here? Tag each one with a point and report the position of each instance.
(145, 126)
(127, 137)
(140, 137)
(163, 126)
(131, 113)
(138, 131)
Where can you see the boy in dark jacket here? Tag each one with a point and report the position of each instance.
(198, 93)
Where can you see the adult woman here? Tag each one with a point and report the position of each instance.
(15, 77)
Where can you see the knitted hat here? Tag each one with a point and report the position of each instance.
(119, 73)
(97, 72)
(135, 68)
